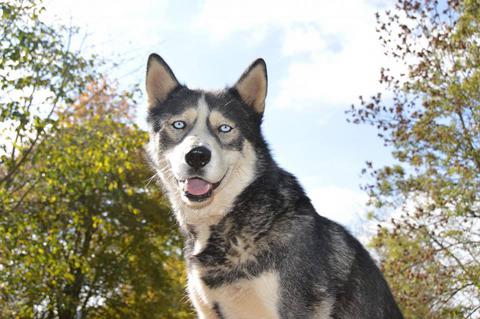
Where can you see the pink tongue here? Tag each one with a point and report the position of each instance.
(197, 187)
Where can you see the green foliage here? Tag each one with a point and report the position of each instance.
(430, 249)
(88, 236)
(39, 72)
(81, 233)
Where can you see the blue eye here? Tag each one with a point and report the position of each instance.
(179, 125)
(224, 128)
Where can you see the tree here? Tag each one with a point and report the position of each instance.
(90, 240)
(81, 234)
(430, 249)
(39, 72)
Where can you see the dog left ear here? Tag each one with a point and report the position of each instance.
(160, 81)
(252, 85)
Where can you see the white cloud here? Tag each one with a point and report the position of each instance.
(110, 26)
(305, 39)
(221, 18)
(332, 76)
(341, 204)
(333, 45)
(330, 48)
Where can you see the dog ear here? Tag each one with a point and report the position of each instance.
(252, 85)
(160, 81)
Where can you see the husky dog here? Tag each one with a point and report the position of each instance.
(254, 245)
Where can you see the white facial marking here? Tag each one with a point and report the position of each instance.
(199, 135)
(240, 174)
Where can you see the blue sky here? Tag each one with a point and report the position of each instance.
(321, 55)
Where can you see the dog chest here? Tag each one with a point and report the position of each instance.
(244, 299)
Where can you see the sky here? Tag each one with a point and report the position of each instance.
(321, 56)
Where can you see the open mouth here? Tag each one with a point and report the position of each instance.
(199, 190)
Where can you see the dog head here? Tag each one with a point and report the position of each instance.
(203, 144)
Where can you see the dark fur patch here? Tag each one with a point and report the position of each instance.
(217, 310)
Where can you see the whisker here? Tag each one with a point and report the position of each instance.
(150, 180)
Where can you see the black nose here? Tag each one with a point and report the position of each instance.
(198, 157)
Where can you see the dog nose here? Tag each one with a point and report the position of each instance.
(198, 157)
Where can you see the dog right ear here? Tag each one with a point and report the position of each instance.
(252, 85)
(160, 80)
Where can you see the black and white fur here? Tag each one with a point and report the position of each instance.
(254, 245)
